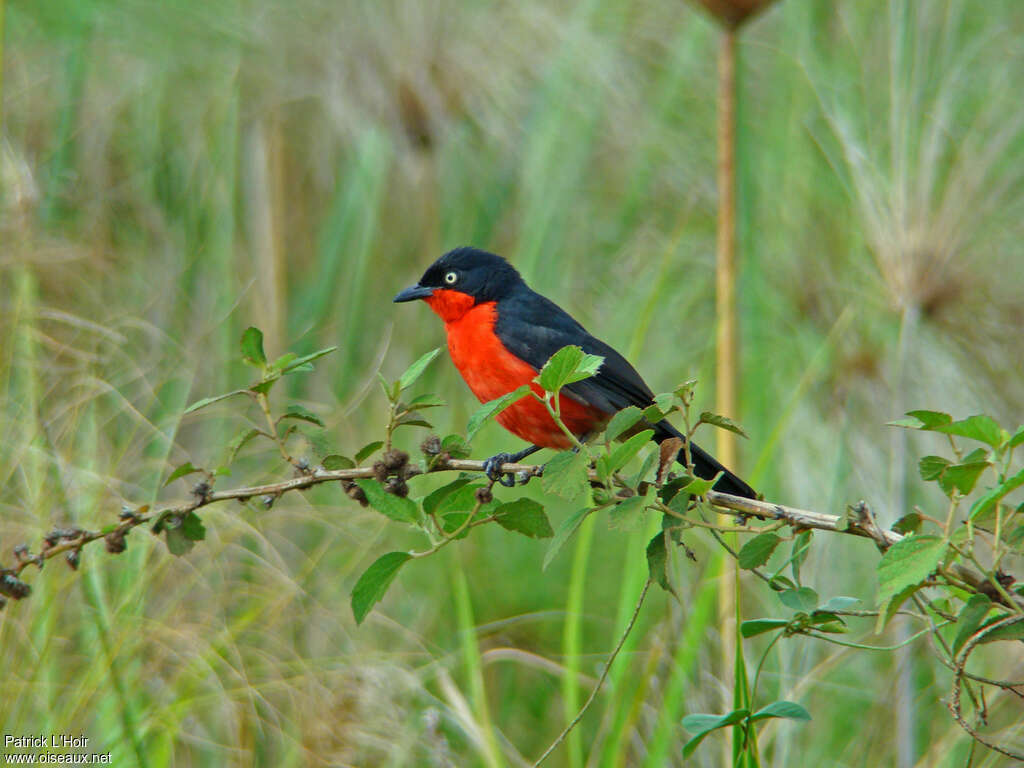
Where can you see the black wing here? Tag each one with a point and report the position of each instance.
(533, 328)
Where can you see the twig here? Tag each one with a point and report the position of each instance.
(600, 680)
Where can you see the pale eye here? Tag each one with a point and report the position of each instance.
(451, 277)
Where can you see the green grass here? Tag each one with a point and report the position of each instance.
(170, 174)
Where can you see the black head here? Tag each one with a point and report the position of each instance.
(482, 275)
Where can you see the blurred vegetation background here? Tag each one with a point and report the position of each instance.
(171, 173)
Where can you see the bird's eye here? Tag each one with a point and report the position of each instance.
(451, 277)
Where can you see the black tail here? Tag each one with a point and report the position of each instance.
(706, 465)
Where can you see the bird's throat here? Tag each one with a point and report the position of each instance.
(450, 306)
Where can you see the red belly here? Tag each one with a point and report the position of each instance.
(491, 371)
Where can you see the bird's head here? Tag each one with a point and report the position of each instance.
(460, 280)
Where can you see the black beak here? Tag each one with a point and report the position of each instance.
(412, 293)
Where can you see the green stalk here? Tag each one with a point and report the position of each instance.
(572, 637)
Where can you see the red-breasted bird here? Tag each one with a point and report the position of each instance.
(500, 334)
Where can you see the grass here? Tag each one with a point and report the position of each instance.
(173, 174)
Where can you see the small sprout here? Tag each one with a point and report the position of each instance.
(268, 501)
(73, 558)
(484, 495)
(303, 465)
(127, 513)
(115, 542)
(202, 490)
(431, 446)
(21, 552)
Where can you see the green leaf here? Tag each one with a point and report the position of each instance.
(178, 543)
(435, 497)
(337, 461)
(839, 603)
(182, 471)
(302, 414)
(657, 562)
(492, 408)
(892, 605)
(786, 709)
(626, 515)
(908, 562)
(932, 467)
(622, 421)
(760, 626)
(622, 454)
(722, 422)
(424, 401)
(698, 486)
(375, 581)
(414, 371)
(462, 499)
(368, 450)
(565, 475)
(927, 420)
(802, 599)
(563, 534)
(239, 442)
(411, 420)
(1012, 631)
(756, 552)
(963, 476)
(192, 527)
(397, 508)
(980, 427)
(264, 385)
(524, 516)
(302, 363)
(798, 555)
(455, 446)
(210, 400)
(994, 495)
(663, 404)
(556, 371)
(252, 347)
(701, 725)
(970, 618)
(909, 523)
(685, 390)
(1018, 437)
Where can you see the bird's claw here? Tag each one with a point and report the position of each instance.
(492, 468)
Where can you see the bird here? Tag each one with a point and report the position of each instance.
(501, 332)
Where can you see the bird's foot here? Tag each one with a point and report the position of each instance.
(492, 468)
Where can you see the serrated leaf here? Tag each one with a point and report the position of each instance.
(994, 495)
(252, 347)
(192, 527)
(178, 543)
(662, 405)
(980, 427)
(492, 408)
(932, 467)
(563, 534)
(302, 414)
(789, 710)
(337, 461)
(424, 401)
(374, 582)
(802, 599)
(754, 627)
(963, 476)
(368, 450)
(626, 515)
(455, 446)
(909, 523)
(622, 421)
(970, 618)
(756, 552)
(461, 499)
(908, 562)
(623, 453)
(926, 420)
(397, 508)
(555, 373)
(302, 363)
(657, 562)
(524, 516)
(435, 497)
(565, 475)
(722, 422)
(181, 471)
(210, 400)
(698, 486)
(702, 725)
(239, 442)
(414, 371)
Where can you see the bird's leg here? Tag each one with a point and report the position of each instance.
(492, 466)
